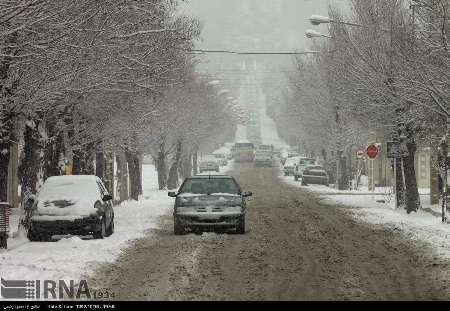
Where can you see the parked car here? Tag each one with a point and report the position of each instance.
(289, 166)
(209, 165)
(315, 174)
(71, 205)
(302, 164)
(209, 203)
(222, 159)
(263, 158)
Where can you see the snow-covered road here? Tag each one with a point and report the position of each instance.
(73, 258)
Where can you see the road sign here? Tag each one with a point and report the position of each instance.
(360, 154)
(372, 151)
(393, 150)
(396, 150)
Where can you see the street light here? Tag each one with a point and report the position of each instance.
(213, 83)
(315, 34)
(318, 19)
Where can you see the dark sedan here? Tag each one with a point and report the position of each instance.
(209, 203)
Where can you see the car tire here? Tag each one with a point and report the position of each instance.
(296, 178)
(178, 229)
(100, 234)
(33, 236)
(240, 228)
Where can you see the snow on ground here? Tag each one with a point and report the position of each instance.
(71, 258)
(378, 208)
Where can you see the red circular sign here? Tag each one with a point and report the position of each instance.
(372, 151)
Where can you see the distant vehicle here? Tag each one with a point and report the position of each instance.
(293, 154)
(302, 164)
(71, 205)
(265, 147)
(289, 166)
(263, 158)
(209, 203)
(221, 158)
(209, 164)
(315, 174)
(244, 152)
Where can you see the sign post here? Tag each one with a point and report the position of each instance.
(372, 152)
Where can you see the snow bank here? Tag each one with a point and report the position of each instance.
(72, 258)
(379, 208)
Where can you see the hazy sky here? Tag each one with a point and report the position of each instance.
(254, 25)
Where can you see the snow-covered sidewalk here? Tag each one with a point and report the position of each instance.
(378, 208)
(72, 258)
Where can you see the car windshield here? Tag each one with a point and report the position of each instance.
(209, 186)
(307, 162)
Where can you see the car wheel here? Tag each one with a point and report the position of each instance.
(240, 228)
(102, 232)
(33, 236)
(178, 229)
(296, 178)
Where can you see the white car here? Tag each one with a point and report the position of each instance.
(289, 166)
(71, 205)
(303, 163)
(263, 158)
(209, 165)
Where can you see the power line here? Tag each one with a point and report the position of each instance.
(200, 51)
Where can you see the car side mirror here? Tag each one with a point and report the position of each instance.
(172, 194)
(247, 194)
(107, 197)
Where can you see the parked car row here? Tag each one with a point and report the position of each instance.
(307, 170)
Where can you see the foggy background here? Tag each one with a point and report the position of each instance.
(254, 81)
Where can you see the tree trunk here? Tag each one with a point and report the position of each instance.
(187, 166)
(122, 174)
(161, 167)
(100, 164)
(173, 181)
(195, 161)
(31, 163)
(4, 163)
(400, 187)
(54, 150)
(83, 161)
(412, 191)
(134, 171)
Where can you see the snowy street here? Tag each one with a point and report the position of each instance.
(73, 258)
(296, 248)
(220, 150)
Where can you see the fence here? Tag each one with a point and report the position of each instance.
(5, 210)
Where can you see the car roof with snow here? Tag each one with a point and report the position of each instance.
(73, 178)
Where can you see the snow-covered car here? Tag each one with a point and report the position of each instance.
(263, 158)
(71, 205)
(289, 166)
(209, 165)
(209, 203)
(315, 174)
(221, 158)
(303, 163)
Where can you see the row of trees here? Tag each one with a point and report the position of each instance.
(389, 72)
(83, 80)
